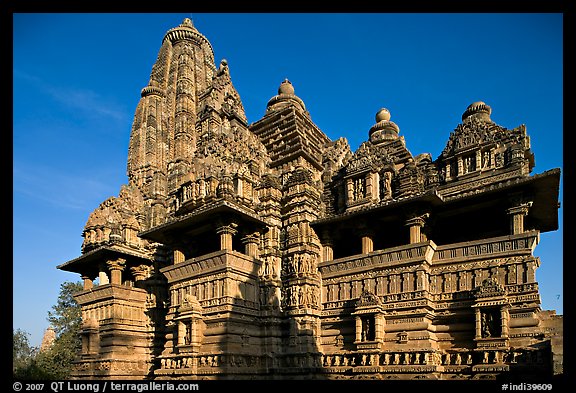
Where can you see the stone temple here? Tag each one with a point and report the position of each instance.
(270, 251)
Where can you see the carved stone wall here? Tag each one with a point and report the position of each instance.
(267, 250)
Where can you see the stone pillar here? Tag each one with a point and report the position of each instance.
(421, 281)
(349, 190)
(478, 160)
(240, 187)
(415, 224)
(116, 267)
(517, 214)
(478, 323)
(327, 250)
(358, 328)
(251, 243)
(179, 256)
(530, 271)
(367, 242)
(226, 287)
(379, 286)
(491, 164)
(139, 272)
(504, 321)
(103, 276)
(448, 168)
(88, 283)
(379, 327)
(226, 232)
(181, 333)
(394, 283)
(373, 186)
(460, 166)
(407, 284)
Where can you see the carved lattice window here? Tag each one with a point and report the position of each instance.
(468, 163)
(359, 191)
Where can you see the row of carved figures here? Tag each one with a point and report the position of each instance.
(433, 358)
(365, 359)
(301, 264)
(301, 296)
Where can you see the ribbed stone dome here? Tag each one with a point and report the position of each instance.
(478, 110)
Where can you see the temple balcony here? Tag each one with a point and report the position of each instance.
(113, 303)
(519, 244)
(395, 256)
(221, 281)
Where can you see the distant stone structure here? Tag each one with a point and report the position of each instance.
(268, 250)
(47, 339)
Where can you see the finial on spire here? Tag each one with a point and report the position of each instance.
(383, 114)
(479, 110)
(187, 22)
(384, 129)
(286, 87)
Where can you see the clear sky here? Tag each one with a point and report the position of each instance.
(77, 81)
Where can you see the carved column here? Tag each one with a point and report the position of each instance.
(116, 267)
(88, 283)
(181, 333)
(407, 282)
(504, 321)
(251, 242)
(530, 271)
(517, 214)
(327, 250)
(379, 327)
(478, 165)
(373, 186)
(379, 286)
(478, 323)
(139, 272)
(103, 276)
(460, 166)
(421, 281)
(358, 328)
(226, 232)
(367, 241)
(179, 256)
(349, 190)
(415, 224)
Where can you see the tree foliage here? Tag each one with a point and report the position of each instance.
(22, 352)
(56, 361)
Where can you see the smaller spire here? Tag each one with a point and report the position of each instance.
(284, 97)
(478, 110)
(384, 129)
(48, 339)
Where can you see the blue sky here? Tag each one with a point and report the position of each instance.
(77, 81)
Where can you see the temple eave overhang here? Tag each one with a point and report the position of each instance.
(428, 199)
(88, 262)
(541, 189)
(205, 214)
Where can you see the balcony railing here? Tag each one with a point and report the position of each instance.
(523, 243)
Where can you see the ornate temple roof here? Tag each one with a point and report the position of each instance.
(285, 96)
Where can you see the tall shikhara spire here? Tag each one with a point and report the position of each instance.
(163, 133)
(187, 103)
(163, 137)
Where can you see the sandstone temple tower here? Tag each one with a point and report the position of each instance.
(270, 251)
